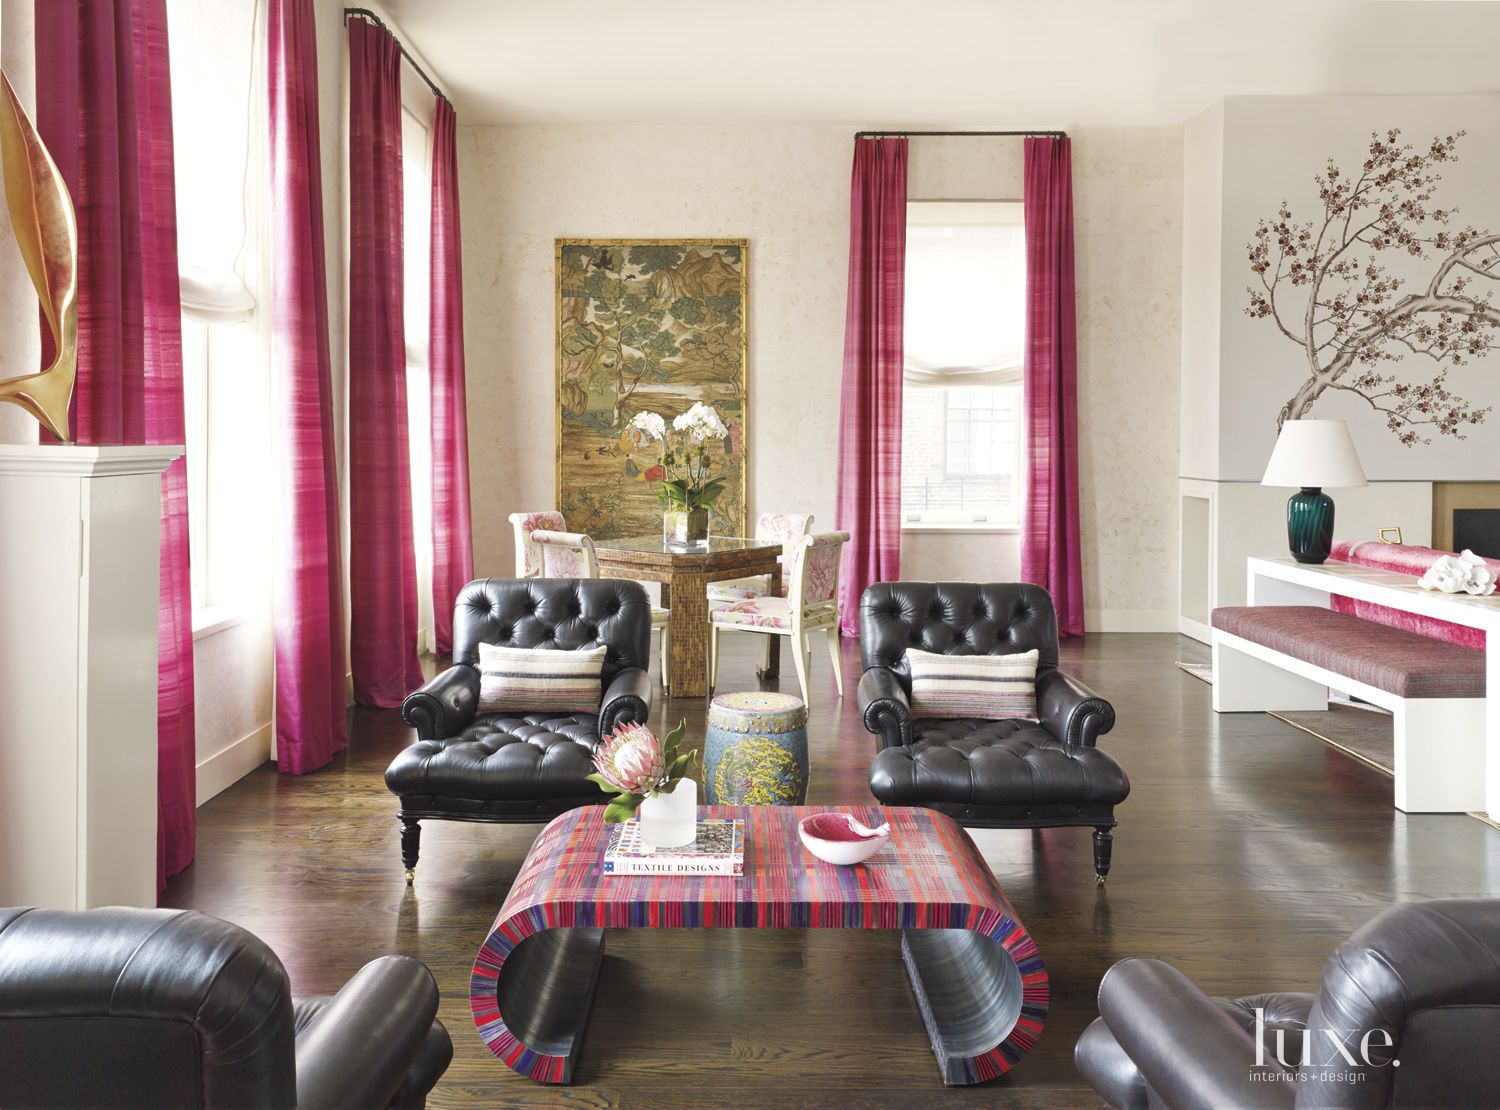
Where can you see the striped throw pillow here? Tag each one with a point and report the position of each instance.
(538, 680)
(992, 687)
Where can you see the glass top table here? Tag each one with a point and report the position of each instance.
(685, 575)
(654, 543)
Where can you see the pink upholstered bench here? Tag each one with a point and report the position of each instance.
(1286, 657)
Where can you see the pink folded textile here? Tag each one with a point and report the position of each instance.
(1401, 558)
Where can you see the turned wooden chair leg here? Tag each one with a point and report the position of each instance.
(666, 653)
(411, 844)
(838, 665)
(1104, 843)
(713, 657)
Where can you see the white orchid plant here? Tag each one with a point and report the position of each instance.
(685, 456)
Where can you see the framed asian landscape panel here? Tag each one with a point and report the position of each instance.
(647, 325)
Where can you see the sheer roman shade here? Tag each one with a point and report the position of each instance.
(215, 297)
(968, 331)
(217, 199)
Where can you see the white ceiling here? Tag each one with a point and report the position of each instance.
(898, 63)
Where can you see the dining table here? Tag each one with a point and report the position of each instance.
(684, 574)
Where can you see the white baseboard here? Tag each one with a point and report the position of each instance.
(1130, 620)
(1197, 630)
(225, 768)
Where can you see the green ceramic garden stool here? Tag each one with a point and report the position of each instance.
(756, 750)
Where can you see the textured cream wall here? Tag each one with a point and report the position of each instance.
(786, 189)
(1127, 200)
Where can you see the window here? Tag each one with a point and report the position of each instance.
(961, 460)
(218, 114)
(416, 236)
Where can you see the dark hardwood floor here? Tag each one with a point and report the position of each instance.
(1246, 851)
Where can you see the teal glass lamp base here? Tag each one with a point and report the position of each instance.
(1309, 525)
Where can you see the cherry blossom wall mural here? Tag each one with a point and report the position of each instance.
(1386, 288)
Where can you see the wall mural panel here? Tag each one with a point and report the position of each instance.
(645, 324)
(1361, 267)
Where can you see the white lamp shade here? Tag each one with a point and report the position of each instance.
(1316, 454)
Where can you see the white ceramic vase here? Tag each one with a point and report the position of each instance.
(669, 819)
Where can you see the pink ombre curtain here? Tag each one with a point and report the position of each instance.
(382, 561)
(104, 108)
(1049, 542)
(308, 602)
(452, 547)
(869, 493)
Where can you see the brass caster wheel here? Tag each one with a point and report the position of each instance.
(411, 874)
(1098, 880)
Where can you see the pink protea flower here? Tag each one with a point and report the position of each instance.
(632, 760)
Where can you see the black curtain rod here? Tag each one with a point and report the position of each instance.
(366, 13)
(935, 134)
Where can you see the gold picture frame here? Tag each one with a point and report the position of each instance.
(646, 325)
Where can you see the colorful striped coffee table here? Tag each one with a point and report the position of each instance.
(979, 979)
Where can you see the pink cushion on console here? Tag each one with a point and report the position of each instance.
(1391, 659)
(1402, 558)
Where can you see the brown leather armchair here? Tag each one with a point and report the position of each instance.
(1408, 1015)
(159, 1009)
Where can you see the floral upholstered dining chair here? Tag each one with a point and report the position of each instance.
(572, 555)
(787, 529)
(811, 605)
(565, 554)
(529, 559)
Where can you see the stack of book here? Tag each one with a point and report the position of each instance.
(718, 849)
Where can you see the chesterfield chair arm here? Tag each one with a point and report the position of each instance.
(1070, 711)
(627, 701)
(884, 707)
(445, 706)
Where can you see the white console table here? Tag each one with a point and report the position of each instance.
(1284, 581)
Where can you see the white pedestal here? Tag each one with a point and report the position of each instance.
(79, 563)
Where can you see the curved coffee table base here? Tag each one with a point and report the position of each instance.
(979, 980)
(531, 1010)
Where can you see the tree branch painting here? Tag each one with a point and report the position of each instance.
(1326, 284)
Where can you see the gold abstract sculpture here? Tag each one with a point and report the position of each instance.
(41, 213)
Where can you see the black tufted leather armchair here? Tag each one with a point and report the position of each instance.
(991, 774)
(1408, 1015)
(466, 766)
(159, 1009)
